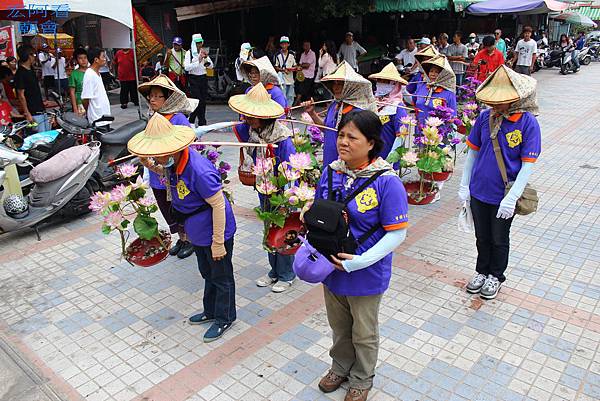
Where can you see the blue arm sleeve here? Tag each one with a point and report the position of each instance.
(519, 185)
(390, 241)
(468, 167)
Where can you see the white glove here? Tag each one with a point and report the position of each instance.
(464, 194)
(506, 210)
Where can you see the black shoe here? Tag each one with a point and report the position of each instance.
(176, 248)
(186, 250)
(123, 106)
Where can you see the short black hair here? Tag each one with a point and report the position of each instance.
(458, 33)
(78, 52)
(369, 124)
(4, 72)
(488, 41)
(94, 53)
(160, 55)
(10, 58)
(23, 52)
(527, 28)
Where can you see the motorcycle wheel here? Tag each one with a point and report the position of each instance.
(586, 60)
(563, 69)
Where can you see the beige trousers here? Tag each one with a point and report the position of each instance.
(355, 325)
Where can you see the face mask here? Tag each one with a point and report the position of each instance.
(383, 89)
(170, 162)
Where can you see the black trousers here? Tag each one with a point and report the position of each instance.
(165, 209)
(198, 85)
(493, 239)
(306, 88)
(219, 285)
(128, 92)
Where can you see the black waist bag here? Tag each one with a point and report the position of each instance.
(327, 222)
(181, 217)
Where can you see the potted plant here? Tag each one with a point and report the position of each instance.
(129, 206)
(284, 196)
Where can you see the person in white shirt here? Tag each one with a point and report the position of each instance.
(472, 45)
(159, 64)
(443, 43)
(407, 56)
(308, 63)
(93, 94)
(245, 55)
(525, 53)
(349, 50)
(59, 67)
(285, 65)
(47, 61)
(196, 62)
(327, 60)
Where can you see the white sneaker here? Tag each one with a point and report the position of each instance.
(490, 288)
(474, 286)
(282, 286)
(265, 281)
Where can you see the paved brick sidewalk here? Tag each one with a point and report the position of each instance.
(99, 329)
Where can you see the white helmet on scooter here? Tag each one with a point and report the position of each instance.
(16, 206)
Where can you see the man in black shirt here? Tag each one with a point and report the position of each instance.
(28, 89)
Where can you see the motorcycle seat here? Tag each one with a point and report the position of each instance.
(76, 120)
(123, 134)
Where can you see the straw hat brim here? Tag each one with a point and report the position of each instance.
(338, 75)
(384, 75)
(244, 105)
(174, 141)
(145, 88)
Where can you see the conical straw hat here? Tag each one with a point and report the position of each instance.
(256, 103)
(162, 80)
(389, 73)
(427, 53)
(160, 138)
(339, 74)
(498, 88)
(440, 61)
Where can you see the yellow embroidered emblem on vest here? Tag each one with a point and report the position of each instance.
(437, 102)
(384, 119)
(182, 190)
(514, 138)
(366, 200)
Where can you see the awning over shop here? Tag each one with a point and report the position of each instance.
(461, 5)
(410, 5)
(516, 7)
(593, 12)
(217, 7)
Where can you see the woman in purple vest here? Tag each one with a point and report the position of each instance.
(353, 291)
(166, 98)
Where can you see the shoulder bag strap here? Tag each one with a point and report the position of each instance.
(329, 183)
(498, 153)
(363, 186)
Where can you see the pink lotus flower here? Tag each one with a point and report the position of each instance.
(306, 117)
(99, 201)
(139, 183)
(410, 158)
(290, 174)
(114, 220)
(262, 166)
(301, 161)
(119, 193)
(290, 192)
(434, 121)
(293, 200)
(266, 187)
(407, 120)
(126, 170)
(305, 192)
(146, 201)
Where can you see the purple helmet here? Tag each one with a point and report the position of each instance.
(177, 40)
(309, 265)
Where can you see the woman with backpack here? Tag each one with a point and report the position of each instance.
(260, 113)
(504, 143)
(374, 204)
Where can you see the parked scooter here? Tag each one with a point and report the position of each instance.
(65, 196)
(594, 50)
(584, 56)
(567, 63)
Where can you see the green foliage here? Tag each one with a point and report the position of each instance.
(319, 10)
(146, 227)
(430, 164)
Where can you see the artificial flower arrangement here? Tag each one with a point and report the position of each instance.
(129, 205)
(213, 153)
(468, 114)
(466, 93)
(284, 196)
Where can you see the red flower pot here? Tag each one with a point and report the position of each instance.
(415, 197)
(462, 129)
(145, 253)
(443, 176)
(284, 240)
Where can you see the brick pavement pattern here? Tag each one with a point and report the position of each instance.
(99, 329)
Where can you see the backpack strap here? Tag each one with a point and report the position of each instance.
(363, 186)
(330, 183)
(368, 234)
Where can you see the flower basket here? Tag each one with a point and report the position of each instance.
(145, 253)
(284, 240)
(247, 178)
(441, 176)
(418, 197)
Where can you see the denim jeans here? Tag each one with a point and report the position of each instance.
(219, 285)
(42, 121)
(460, 79)
(493, 239)
(281, 266)
(575, 57)
(290, 94)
